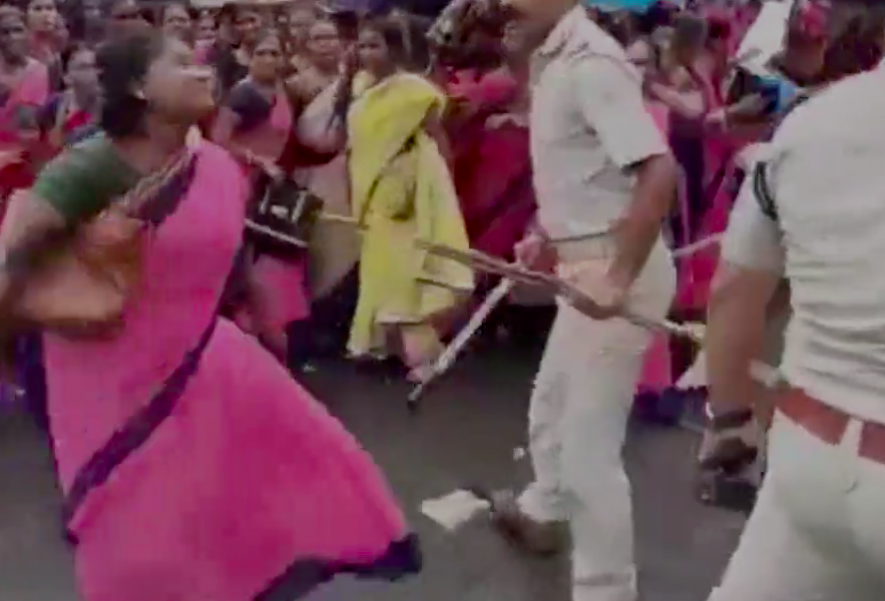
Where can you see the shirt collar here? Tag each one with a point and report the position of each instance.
(561, 32)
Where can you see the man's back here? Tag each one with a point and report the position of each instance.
(827, 177)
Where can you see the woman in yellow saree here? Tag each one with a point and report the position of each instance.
(401, 189)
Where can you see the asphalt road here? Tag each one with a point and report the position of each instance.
(466, 433)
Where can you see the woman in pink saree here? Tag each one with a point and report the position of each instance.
(24, 89)
(194, 467)
(254, 124)
(492, 164)
(720, 149)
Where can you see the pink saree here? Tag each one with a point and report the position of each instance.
(26, 98)
(194, 467)
(697, 269)
(283, 281)
(492, 169)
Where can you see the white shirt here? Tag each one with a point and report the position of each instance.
(827, 177)
(588, 123)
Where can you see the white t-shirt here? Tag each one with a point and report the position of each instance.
(827, 176)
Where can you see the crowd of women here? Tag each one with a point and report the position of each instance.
(185, 120)
(283, 79)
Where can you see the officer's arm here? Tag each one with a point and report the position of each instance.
(749, 274)
(610, 99)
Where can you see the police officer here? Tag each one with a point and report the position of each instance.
(813, 213)
(604, 180)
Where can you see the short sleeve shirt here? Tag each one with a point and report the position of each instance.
(753, 239)
(589, 124)
(825, 172)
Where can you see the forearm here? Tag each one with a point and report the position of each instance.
(687, 107)
(638, 230)
(736, 327)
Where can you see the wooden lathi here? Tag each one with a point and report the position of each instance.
(555, 284)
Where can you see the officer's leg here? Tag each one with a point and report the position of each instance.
(797, 551)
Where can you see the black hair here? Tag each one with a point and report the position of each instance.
(658, 15)
(415, 30)
(71, 51)
(23, 5)
(143, 12)
(8, 11)
(187, 8)
(690, 31)
(264, 34)
(74, 14)
(393, 33)
(239, 10)
(857, 38)
(226, 14)
(122, 65)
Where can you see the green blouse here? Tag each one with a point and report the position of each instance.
(85, 179)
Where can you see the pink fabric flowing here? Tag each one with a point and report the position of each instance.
(656, 368)
(284, 282)
(32, 92)
(202, 52)
(721, 148)
(695, 271)
(247, 475)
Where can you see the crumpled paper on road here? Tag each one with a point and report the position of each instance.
(455, 509)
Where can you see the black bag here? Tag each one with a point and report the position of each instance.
(281, 217)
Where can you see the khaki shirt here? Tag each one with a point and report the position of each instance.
(827, 176)
(588, 124)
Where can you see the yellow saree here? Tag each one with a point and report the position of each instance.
(401, 189)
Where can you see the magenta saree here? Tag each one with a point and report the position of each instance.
(194, 467)
(265, 129)
(18, 114)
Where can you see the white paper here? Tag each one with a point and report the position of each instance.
(454, 509)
